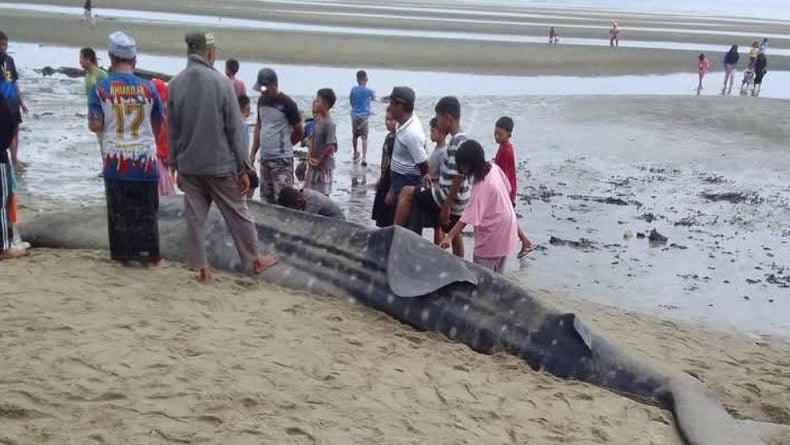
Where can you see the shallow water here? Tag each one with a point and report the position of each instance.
(306, 80)
(229, 22)
(590, 167)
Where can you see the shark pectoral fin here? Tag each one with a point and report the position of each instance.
(581, 330)
(415, 267)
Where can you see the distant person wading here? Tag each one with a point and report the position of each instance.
(730, 63)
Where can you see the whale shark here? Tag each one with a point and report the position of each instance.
(398, 272)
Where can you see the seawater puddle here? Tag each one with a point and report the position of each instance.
(230, 22)
(305, 80)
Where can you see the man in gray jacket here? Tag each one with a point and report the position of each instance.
(206, 149)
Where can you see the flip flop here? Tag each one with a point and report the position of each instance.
(524, 252)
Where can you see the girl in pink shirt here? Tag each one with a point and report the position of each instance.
(703, 68)
(489, 209)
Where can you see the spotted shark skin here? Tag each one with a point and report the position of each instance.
(405, 276)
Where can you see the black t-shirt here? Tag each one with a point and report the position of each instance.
(9, 94)
(8, 68)
(7, 130)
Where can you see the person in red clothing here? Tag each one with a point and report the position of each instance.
(166, 183)
(505, 159)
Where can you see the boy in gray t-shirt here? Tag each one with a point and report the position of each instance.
(321, 159)
(438, 137)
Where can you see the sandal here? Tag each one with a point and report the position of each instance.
(524, 252)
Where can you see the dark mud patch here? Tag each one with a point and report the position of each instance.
(540, 193)
(610, 200)
(657, 238)
(660, 170)
(708, 178)
(647, 217)
(582, 244)
(732, 197)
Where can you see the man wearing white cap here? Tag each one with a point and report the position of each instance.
(126, 111)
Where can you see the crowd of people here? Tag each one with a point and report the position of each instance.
(755, 69)
(191, 133)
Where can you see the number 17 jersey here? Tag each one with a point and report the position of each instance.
(130, 108)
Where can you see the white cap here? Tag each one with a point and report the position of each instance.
(122, 45)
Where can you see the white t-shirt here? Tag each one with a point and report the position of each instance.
(409, 149)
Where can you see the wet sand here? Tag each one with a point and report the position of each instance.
(406, 52)
(156, 358)
(591, 168)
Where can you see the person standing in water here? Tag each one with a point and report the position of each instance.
(614, 35)
(93, 74)
(87, 14)
(763, 46)
(505, 159)
(232, 70)
(360, 98)
(730, 64)
(554, 38)
(703, 68)
(760, 69)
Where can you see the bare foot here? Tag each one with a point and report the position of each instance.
(161, 262)
(204, 276)
(12, 253)
(263, 263)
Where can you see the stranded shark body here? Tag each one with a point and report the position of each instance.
(397, 272)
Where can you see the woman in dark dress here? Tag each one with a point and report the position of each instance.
(384, 214)
(760, 68)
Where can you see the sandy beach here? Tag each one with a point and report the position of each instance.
(95, 353)
(155, 358)
(459, 55)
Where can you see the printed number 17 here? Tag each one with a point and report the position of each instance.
(122, 110)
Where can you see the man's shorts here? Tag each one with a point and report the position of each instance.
(276, 174)
(319, 180)
(429, 211)
(359, 127)
(398, 181)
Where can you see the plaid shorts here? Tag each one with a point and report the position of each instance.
(319, 180)
(359, 127)
(276, 174)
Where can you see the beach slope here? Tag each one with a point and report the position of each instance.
(104, 354)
